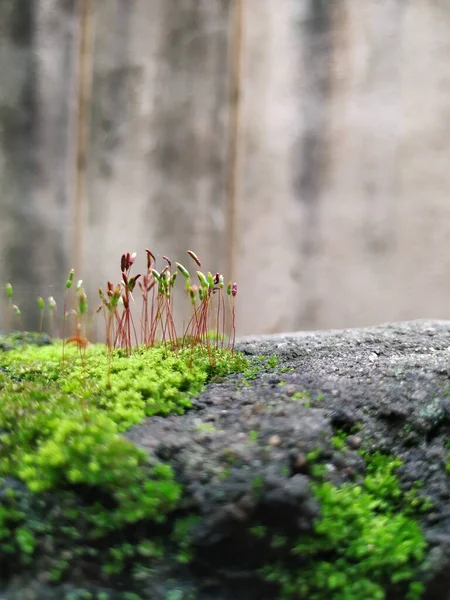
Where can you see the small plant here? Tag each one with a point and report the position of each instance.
(69, 282)
(52, 312)
(206, 325)
(18, 315)
(41, 306)
(13, 309)
(9, 294)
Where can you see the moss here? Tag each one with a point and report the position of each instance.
(177, 594)
(363, 543)
(68, 479)
(314, 455)
(18, 339)
(253, 435)
(257, 486)
(206, 427)
(182, 538)
(338, 440)
(415, 501)
(259, 364)
(447, 466)
(259, 531)
(302, 396)
(306, 399)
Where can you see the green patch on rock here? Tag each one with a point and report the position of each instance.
(68, 478)
(259, 364)
(364, 543)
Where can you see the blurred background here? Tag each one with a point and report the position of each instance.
(301, 147)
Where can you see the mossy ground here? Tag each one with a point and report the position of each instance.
(69, 479)
(267, 486)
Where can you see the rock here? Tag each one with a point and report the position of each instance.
(249, 481)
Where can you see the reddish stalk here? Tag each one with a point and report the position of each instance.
(232, 291)
(156, 311)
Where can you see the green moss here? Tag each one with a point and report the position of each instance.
(271, 361)
(207, 427)
(182, 538)
(60, 436)
(257, 365)
(259, 531)
(362, 543)
(306, 399)
(415, 502)
(177, 594)
(257, 486)
(301, 396)
(447, 466)
(338, 440)
(253, 435)
(314, 455)
(18, 339)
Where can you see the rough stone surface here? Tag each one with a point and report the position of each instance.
(392, 380)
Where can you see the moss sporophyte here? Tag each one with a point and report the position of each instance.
(68, 477)
(212, 323)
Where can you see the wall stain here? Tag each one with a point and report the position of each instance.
(315, 38)
(18, 120)
(379, 160)
(189, 126)
(114, 101)
(33, 243)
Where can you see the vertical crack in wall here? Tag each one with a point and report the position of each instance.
(84, 94)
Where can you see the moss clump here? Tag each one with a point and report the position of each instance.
(19, 338)
(68, 478)
(447, 466)
(259, 364)
(363, 543)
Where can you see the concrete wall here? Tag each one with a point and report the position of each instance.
(37, 53)
(300, 146)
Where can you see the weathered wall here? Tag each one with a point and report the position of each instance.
(344, 162)
(300, 146)
(36, 63)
